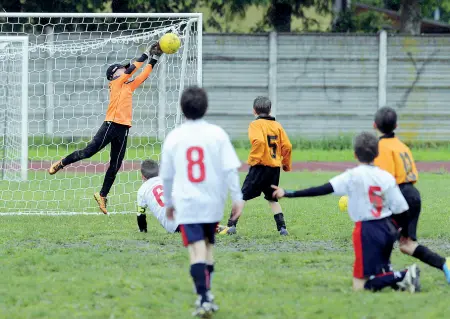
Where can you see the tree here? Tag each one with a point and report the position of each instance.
(410, 17)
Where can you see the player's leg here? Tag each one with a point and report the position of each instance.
(408, 242)
(210, 231)
(117, 154)
(250, 189)
(99, 141)
(272, 177)
(194, 238)
(373, 243)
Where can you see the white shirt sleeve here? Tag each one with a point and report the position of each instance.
(341, 183)
(234, 185)
(395, 200)
(167, 171)
(230, 159)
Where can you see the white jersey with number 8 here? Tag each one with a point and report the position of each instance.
(372, 193)
(197, 156)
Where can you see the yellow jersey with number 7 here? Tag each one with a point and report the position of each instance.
(396, 158)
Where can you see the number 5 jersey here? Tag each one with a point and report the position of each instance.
(373, 193)
(270, 144)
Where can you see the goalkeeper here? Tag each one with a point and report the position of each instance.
(117, 123)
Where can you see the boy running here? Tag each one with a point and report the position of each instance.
(200, 164)
(373, 198)
(396, 158)
(117, 123)
(270, 150)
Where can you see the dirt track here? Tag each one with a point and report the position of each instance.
(96, 167)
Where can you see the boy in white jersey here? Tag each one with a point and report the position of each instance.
(373, 197)
(199, 164)
(151, 196)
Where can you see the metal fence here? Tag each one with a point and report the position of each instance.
(320, 85)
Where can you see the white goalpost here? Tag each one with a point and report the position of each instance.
(54, 95)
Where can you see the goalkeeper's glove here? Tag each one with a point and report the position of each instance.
(154, 53)
(142, 223)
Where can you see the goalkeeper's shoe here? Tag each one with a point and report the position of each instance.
(446, 269)
(101, 201)
(55, 167)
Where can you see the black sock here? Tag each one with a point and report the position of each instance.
(279, 219)
(232, 223)
(210, 269)
(385, 280)
(199, 275)
(429, 257)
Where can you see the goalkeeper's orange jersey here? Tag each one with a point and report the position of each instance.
(396, 158)
(270, 144)
(120, 108)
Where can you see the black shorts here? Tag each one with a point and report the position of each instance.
(259, 180)
(191, 233)
(412, 196)
(373, 242)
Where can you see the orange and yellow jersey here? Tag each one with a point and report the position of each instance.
(270, 145)
(396, 158)
(120, 108)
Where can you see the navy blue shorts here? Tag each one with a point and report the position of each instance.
(373, 242)
(192, 233)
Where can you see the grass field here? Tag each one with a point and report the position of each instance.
(101, 267)
(299, 155)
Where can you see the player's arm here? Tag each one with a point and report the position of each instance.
(141, 210)
(131, 69)
(286, 151)
(167, 172)
(337, 185)
(258, 144)
(155, 53)
(397, 204)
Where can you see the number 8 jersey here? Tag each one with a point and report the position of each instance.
(197, 157)
(372, 193)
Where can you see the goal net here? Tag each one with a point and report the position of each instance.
(54, 96)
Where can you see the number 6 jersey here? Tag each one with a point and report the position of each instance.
(197, 158)
(373, 193)
(151, 196)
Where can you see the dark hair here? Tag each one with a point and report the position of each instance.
(386, 120)
(366, 147)
(262, 105)
(194, 102)
(149, 169)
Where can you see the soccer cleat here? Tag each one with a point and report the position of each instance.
(55, 167)
(411, 281)
(101, 201)
(446, 269)
(283, 231)
(210, 296)
(231, 230)
(222, 230)
(203, 311)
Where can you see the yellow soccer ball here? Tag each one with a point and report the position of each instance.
(343, 203)
(169, 43)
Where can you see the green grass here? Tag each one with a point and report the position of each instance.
(298, 155)
(101, 267)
